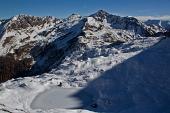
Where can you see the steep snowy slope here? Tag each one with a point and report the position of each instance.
(98, 50)
(17, 95)
(23, 29)
(139, 84)
(26, 38)
(69, 53)
(125, 23)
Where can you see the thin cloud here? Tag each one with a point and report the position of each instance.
(144, 18)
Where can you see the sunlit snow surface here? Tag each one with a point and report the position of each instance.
(17, 95)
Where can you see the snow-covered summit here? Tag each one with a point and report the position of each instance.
(73, 17)
(25, 21)
(74, 51)
(37, 38)
(100, 14)
(125, 23)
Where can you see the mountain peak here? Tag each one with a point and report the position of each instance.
(20, 16)
(73, 17)
(100, 13)
(23, 21)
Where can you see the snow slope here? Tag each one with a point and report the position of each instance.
(139, 84)
(84, 52)
(57, 97)
(19, 93)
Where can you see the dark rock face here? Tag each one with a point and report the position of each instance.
(167, 33)
(52, 54)
(25, 21)
(7, 40)
(15, 64)
(10, 67)
(2, 29)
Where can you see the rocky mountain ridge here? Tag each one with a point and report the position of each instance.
(35, 45)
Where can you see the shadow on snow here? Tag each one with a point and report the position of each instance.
(140, 84)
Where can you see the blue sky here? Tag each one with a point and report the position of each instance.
(63, 8)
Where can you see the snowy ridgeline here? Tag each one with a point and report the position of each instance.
(109, 63)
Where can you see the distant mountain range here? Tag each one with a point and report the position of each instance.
(161, 21)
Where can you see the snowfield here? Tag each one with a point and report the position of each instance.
(18, 94)
(57, 97)
(98, 63)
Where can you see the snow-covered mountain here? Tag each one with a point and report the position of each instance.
(36, 41)
(27, 38)
(160, 23)
(68, 52)
(163, 21)
(125, 23)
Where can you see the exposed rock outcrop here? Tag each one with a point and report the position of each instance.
(31, 45)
